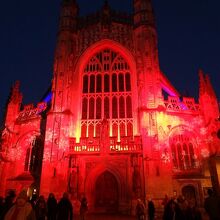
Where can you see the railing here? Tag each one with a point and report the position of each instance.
(30, 112)
(85, 145)
(112, 145)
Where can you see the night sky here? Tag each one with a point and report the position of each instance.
(188, 32)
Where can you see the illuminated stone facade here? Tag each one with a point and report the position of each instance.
(115, 128)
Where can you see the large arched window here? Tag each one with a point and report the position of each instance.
(27, 159)
(183, 152)
(107, 93)
(32, 154)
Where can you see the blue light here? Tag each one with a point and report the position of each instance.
(48, 97)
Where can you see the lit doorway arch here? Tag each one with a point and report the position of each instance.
(106, 193)
(189, 193)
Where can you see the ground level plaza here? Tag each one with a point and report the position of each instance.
(119, 217)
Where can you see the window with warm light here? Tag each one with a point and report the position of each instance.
(183, 152)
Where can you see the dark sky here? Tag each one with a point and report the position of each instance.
(188, 31)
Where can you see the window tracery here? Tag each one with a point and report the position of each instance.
(106, 93)
(183, 152)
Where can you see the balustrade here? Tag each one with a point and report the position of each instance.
(113, 145)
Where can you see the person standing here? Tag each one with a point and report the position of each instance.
(83, 208)
(64, 208)
(41, 209)
(51, 206)
(21, 210)
(172, 211)
(1, 205)
(151, 209)
(212, 205)
(8, 203)
(165, 201)
(140, 210)
(194, 212)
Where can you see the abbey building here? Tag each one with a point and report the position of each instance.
(112, 126)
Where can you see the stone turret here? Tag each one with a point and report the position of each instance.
(143, 13)
(68, 16)
(146, 48)
(14, 105)
(65, 52)
(207, 98)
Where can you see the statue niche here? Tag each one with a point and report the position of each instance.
(104, 136)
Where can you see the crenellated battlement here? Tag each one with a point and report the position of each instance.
(97, 17)
(31, 112)
(187, 105)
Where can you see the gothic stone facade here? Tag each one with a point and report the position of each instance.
(115, 128)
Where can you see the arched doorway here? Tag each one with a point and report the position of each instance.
(189, 193)
(106, 193)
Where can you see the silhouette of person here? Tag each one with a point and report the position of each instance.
(8, 203)
(41, 208)
(83, 208)
(212, 205)
(22, 209)
(151, 209)
(64, 208)
(140, 210)
(51, 206)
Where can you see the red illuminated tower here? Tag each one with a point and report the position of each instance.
(115, 128)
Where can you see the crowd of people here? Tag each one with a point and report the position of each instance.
(38, 208)
(180, 208)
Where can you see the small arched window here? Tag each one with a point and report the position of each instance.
(183, 154)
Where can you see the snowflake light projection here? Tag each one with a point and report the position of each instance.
(15, 154)
(19, 149)
(205, 153)
(165, 156)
